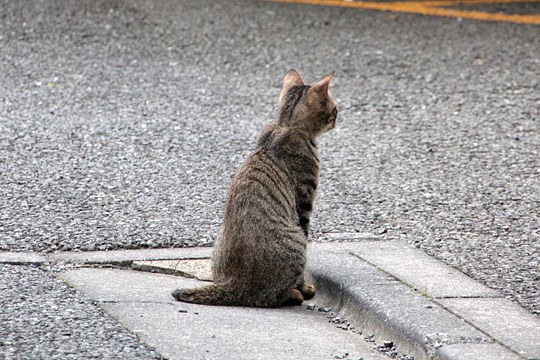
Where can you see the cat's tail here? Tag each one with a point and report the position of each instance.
(215, 294)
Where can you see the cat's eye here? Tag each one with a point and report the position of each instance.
(334, 113)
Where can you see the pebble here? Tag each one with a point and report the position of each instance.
(369, 338)
(325, 309)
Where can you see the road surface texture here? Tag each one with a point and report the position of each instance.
(122, 123)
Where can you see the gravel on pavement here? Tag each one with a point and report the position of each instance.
(43, 318)
(123, 122)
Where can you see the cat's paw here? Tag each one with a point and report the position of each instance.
(296, 298)
(308, 291)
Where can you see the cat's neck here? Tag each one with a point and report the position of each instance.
(275, 132)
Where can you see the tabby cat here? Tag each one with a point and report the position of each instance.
(260, 253)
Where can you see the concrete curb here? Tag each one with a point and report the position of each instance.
(22, 258)
(127, 257)
(429, 309)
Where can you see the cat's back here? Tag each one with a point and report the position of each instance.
(264, 185)
(275, 162)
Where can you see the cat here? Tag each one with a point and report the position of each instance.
(260, 253)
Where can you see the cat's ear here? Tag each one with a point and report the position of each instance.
(292, 78)
(320, 89)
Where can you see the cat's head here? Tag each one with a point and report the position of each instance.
(308, 107)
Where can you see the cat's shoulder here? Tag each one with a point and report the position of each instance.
(273, 136)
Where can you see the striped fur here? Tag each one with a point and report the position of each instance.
(260, 254)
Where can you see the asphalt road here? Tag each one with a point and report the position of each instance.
(123, 122)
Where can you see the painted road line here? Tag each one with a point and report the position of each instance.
(469, 2)
(435, 8)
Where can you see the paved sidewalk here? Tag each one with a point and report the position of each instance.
(142, 302)
(380, 292)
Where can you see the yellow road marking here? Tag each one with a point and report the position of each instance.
(437, 8)
(468, 2)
